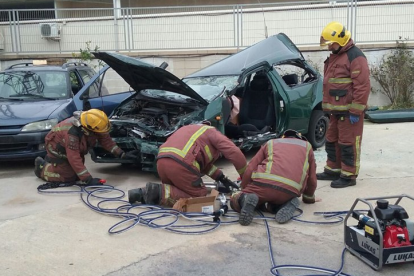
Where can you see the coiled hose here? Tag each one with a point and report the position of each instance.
(150, 216)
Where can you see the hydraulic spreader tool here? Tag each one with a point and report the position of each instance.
(382, 235)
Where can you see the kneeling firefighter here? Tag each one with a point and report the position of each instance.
(281, 171)
(69, 141)
(183, 159)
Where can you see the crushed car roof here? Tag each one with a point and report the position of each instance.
(141, 75)
(273, 50)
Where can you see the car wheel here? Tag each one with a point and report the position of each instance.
(318, 126)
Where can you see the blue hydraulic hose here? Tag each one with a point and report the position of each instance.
(152, 214)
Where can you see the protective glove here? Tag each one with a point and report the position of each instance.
(95, 181)
(130, 154)
(227, 182)
(353, 118)
(223, 189)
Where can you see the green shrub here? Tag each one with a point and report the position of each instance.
(86, 56)
(395, 76)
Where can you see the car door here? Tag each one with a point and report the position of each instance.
(299, 83)
(104, 91)
(269, 95)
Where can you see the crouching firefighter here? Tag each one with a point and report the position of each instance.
(183, 159)
(69, 141)
(281, 171)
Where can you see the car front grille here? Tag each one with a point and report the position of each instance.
(14, 147)
(11, 127)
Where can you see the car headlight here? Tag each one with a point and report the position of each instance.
(41, 125)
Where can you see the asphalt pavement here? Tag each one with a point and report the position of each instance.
(59, 235)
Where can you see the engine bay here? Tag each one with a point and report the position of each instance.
(143, 118)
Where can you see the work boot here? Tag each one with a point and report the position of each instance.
(327, 176)
(136, 195)
(285, 213)
(152, 193)
(248, 203)
(39, 164)
(343, 182)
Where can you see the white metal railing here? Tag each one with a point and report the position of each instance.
(201, 27)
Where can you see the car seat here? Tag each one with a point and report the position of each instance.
(257, 106)
(291, 79)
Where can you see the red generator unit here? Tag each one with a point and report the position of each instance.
(382, 235)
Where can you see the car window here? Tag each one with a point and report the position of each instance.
(75, 83)
(93, 90)
(210, 86)
(294, 74)
(113, 83)
(109, 83)
(84, 75)
(29, 85)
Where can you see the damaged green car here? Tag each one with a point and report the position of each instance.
(270, 83)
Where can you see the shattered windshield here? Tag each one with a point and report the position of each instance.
(210, 87)
(206, 87)
(28, 85)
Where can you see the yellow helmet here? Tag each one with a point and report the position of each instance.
(335, 32)
(95, 120)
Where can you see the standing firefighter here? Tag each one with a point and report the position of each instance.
(183, 159)
(280, 172)
(346, 88)
(67, 144)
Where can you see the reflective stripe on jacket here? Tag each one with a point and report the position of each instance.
(67, 142)
(288, 163)
(197, 147)
(346, 84)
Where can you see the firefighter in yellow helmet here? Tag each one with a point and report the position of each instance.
(346, 88)
(69, 141)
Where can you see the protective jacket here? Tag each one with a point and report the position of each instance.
(346, 84)
(197, 147)
(69, 142)
(286, 164)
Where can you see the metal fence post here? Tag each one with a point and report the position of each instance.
(15, 35)
(238, 26)
(117, 13)
(241, 26)
(354, 22)
(351, 18)
(11, 31)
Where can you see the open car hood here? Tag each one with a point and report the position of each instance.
(140, 75)
(273, 50)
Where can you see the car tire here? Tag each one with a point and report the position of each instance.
(318, 126)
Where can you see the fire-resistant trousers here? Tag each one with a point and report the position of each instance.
(343, 146)
(61, 172)
(266, 195)
(178, 182)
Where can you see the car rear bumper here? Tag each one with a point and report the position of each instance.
(22, 146)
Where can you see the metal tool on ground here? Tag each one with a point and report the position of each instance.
(221, 188)
(383, 235)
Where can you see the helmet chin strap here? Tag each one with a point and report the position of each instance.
(85, 131)
(337, 50)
